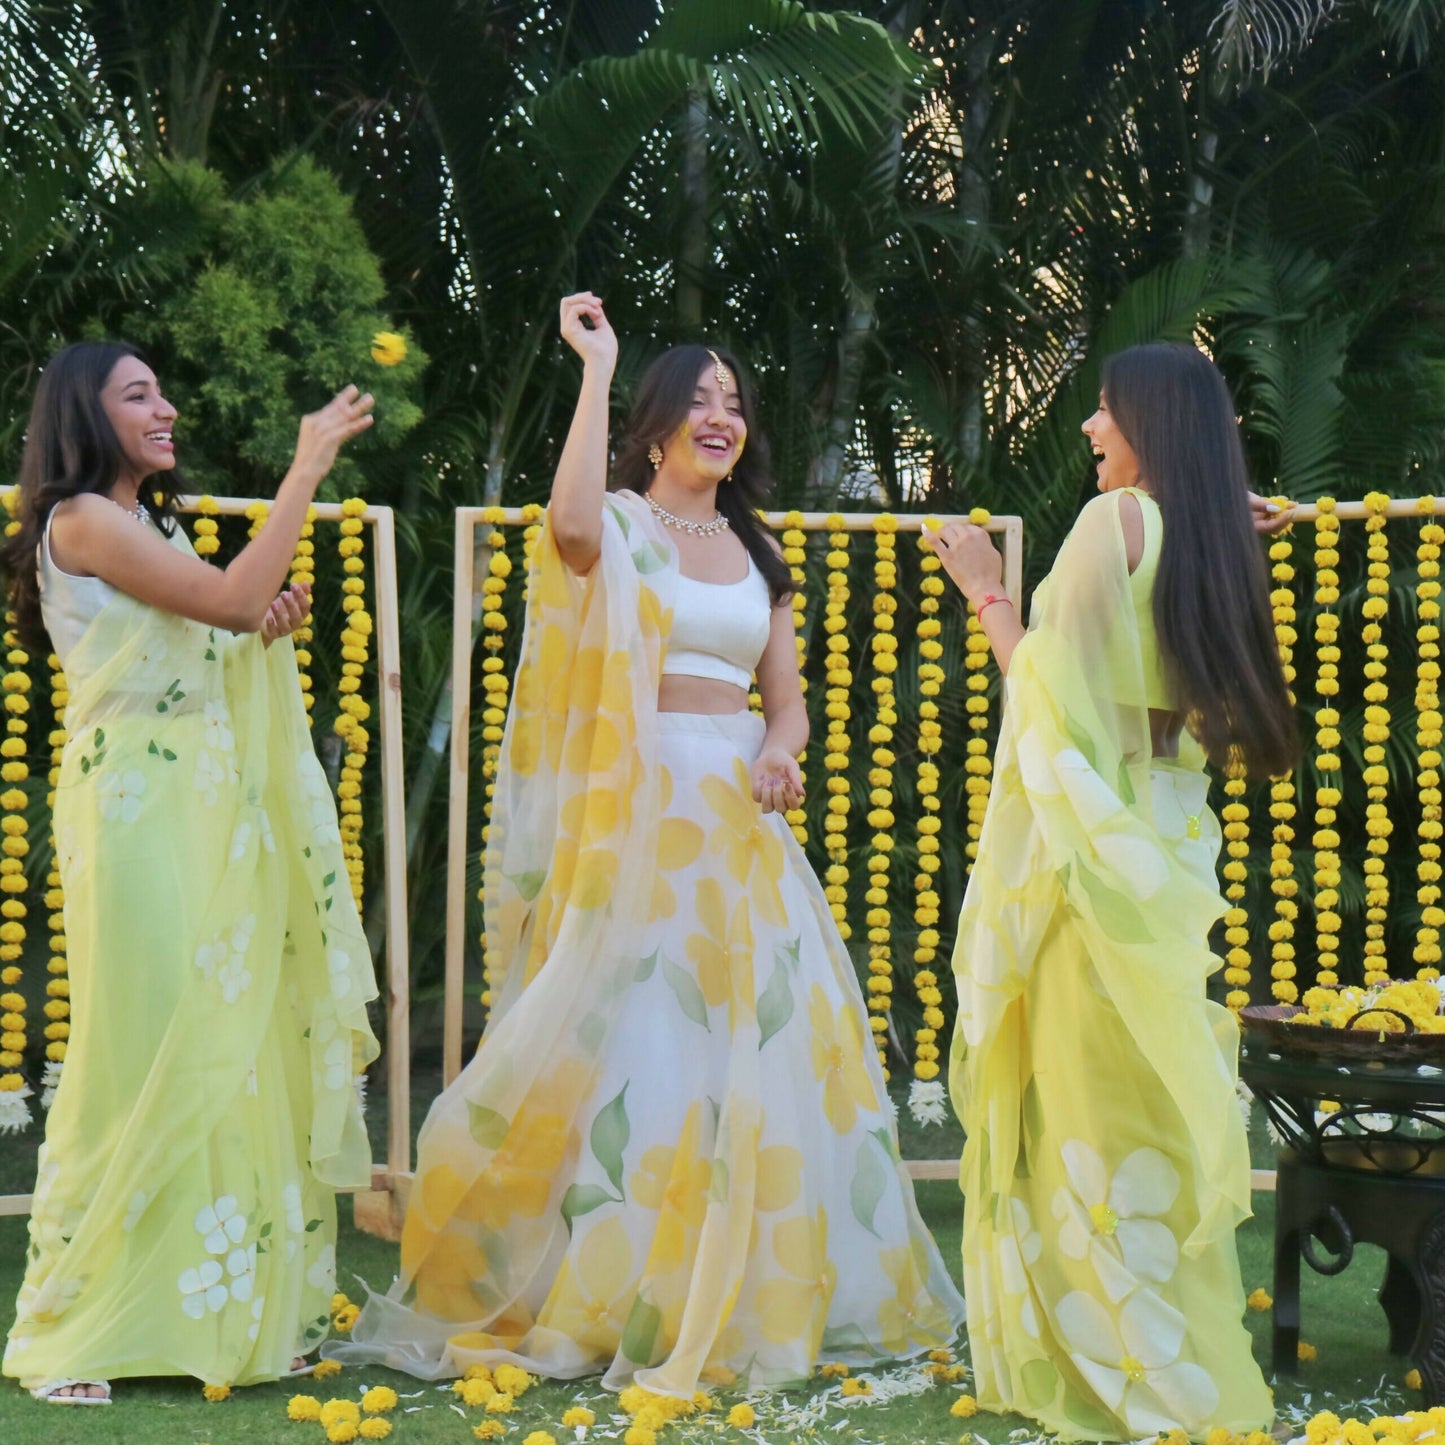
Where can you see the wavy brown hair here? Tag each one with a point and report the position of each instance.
(70, 448)
(1211, 594)
(661, 405)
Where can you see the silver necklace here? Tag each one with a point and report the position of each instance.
(699, 529)
(138, 511)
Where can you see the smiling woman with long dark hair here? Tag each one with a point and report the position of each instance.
(672, 1161)
(1106, 1165)
(184, 1219)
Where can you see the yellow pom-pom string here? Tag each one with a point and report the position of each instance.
(1327, 741)
(1377, 734)
(977, 767)
(1283, 884)
(58, 986)
(795, 554)
(840, 681)
(256, 514)
(884, 645)
(303, 573)
(1236, 920)
(1427, 740)
(15, 1093)
(355, 644)
(495, 686)
(925, 1099)
(207, 543)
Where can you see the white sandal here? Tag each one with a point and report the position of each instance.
(47, 1393)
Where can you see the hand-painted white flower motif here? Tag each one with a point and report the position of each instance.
(291, 1203)
(241, 840)
(138, 1202)
(222, 1223)
(210, 956)
(320, 804)
(53, 1297)
(120, 795)
(322, 1273)
(1016, 1252)
(258, 1311)
(201, 1289)
(209, 776)
(45, 1176)
(1133, 1362)
(1105, 1220)
(241, 1267)
(217, 723)
(234, 977)
(338, 965)
(263, 822)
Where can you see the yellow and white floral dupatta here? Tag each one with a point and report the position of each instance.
(672, 1159)
(1106, 1165)
(184, 1218)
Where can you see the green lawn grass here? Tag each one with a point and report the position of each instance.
(1352, 1374)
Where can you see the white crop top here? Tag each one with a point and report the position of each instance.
(68, 604)
(719, 629)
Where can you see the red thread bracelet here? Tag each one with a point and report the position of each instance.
(989, 598)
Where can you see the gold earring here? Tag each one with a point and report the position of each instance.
(654, 455)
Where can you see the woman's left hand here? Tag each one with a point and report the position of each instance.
(969, 557)
(288, 612)
(777, 781)
(1268, 518)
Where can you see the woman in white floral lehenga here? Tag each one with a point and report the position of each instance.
(184, 1218)
(673, 1159)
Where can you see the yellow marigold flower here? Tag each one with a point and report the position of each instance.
(379, 1399)
(741, 1417)
(345, 1318)
(639, 1435)
(633, 1398)
(941, 1357)
(1260, 1299)
(1412, 1379)
(499, 1403)
(216, 1392)
(475, 1392)
(1259, 1437)
(540, 1437)
(1220, 1435)
(857, 1387)
(303, 1407)
(489, 1430)
(388, 348)
(578, 1415)
(375, 1428)
(339, 1302)
(702, 1402)
(340, 1412)
(1307, 1351)
(342, 1433)
(325, 1369)
(964, 1408)
(513, 1379)
(477, 1372)
(1174, 1437)
(834, 1372)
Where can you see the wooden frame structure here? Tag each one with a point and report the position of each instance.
(466, 613)
(380, 1208)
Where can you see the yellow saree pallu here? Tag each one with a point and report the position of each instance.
(1106, 1164)
(672, 1159)
(184, 1211)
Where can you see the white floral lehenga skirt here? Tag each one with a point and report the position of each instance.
(699, 1183)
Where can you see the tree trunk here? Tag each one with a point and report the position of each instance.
(692, 251)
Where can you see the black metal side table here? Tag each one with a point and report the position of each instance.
(1371, 1172)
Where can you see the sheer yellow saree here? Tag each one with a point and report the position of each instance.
(672, 1159)
(184, 1213)
(1106, 1165)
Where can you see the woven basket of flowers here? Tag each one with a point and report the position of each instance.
(1398, 1020)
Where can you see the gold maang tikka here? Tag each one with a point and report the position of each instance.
(724, 376)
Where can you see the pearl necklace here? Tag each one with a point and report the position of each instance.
(699, 529)
(138, 511)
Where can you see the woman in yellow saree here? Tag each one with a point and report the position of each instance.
(184, 1216)
(1106, 1164)
(672, 1160)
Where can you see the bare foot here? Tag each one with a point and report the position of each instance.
(82, 1391)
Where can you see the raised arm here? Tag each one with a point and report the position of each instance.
(91, 535)
(976, 567)
(581, 481)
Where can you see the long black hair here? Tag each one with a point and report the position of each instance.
(1211, 595)
(70, 447)
(661, 405)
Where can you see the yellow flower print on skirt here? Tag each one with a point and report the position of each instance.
(1106, 1165)
(702, 1178)
(184, 1214)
